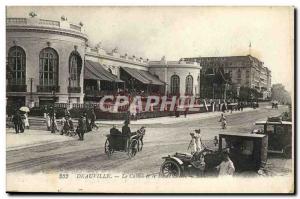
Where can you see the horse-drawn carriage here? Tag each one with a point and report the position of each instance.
(131, 144)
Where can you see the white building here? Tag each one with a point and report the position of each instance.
(50, 59)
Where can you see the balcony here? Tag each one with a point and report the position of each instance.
(47, 89)
(74, 89)
(16, 88)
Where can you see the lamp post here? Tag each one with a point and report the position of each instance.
(31, 94)
(53, 110)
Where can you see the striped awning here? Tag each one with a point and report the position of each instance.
(94, 70)
(143, 76)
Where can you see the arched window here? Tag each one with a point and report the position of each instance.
(48, 67)
(109, 70)
(75, 65)
(17, 66)
(175, 84)
(189, 85)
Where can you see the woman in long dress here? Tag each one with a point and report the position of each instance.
(26, 120)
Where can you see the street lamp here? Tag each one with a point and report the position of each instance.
(53, 110)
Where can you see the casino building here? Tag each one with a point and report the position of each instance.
(51, 60)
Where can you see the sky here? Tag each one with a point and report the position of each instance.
(176, 32)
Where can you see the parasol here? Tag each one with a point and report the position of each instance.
(24, 109)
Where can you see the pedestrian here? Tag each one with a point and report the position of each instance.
(185, 111)
(242, 106)
(47, 121)
(195, 143)
(93, 120)
(53, 123)
(81, 128)
(223, 107)
(22, 123)
(226, 168)
(87, 120)
(26, 121)
(16, 119)
(68, 128)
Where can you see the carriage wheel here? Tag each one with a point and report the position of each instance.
(170, 169)
(133, 148)
(140, 145)
(108, 150)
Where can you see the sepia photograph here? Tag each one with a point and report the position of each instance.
(150, 99)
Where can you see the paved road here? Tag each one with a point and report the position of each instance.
(160, 140)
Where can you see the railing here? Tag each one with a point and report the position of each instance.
(43, 22)
(75, 27)
(16, 21)
(47, 89)
(16, 88)
(98, 93)
(74, 89)
(49, 22)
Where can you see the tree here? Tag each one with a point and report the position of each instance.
(247, 93)
(279, 93)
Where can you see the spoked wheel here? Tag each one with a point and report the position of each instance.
(140, 145)
(107, 148)
(170, 169)
(133, 148)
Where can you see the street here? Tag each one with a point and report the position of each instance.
(63, 153)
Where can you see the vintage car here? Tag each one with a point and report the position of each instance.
(131, 144)
(279, 133)
(248, 152)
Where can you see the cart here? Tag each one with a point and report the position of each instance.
(123, 143)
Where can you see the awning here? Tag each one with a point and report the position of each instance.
(94, 70)
(143, 76)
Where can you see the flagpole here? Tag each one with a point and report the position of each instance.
(250, 48)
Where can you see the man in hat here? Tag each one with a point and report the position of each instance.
(127, 132)
(93, 120)
(81, 129)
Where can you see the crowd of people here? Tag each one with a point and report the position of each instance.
(86, 123)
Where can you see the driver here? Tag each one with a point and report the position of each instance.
(126, 132)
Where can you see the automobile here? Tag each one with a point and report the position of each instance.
(279, 133)
(118, 142)
(247, 151)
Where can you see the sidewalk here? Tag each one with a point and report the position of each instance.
(31, 138)
(161, 120)
(174, 120)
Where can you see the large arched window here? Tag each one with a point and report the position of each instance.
(189, 85)
(75, 65)
(16, 66)
(175, 84)
(48, 67)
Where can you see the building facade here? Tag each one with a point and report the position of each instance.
(49, 60)
(44, 57)
(182, 77)
(244, 71)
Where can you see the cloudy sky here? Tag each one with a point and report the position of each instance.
(175, 32)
